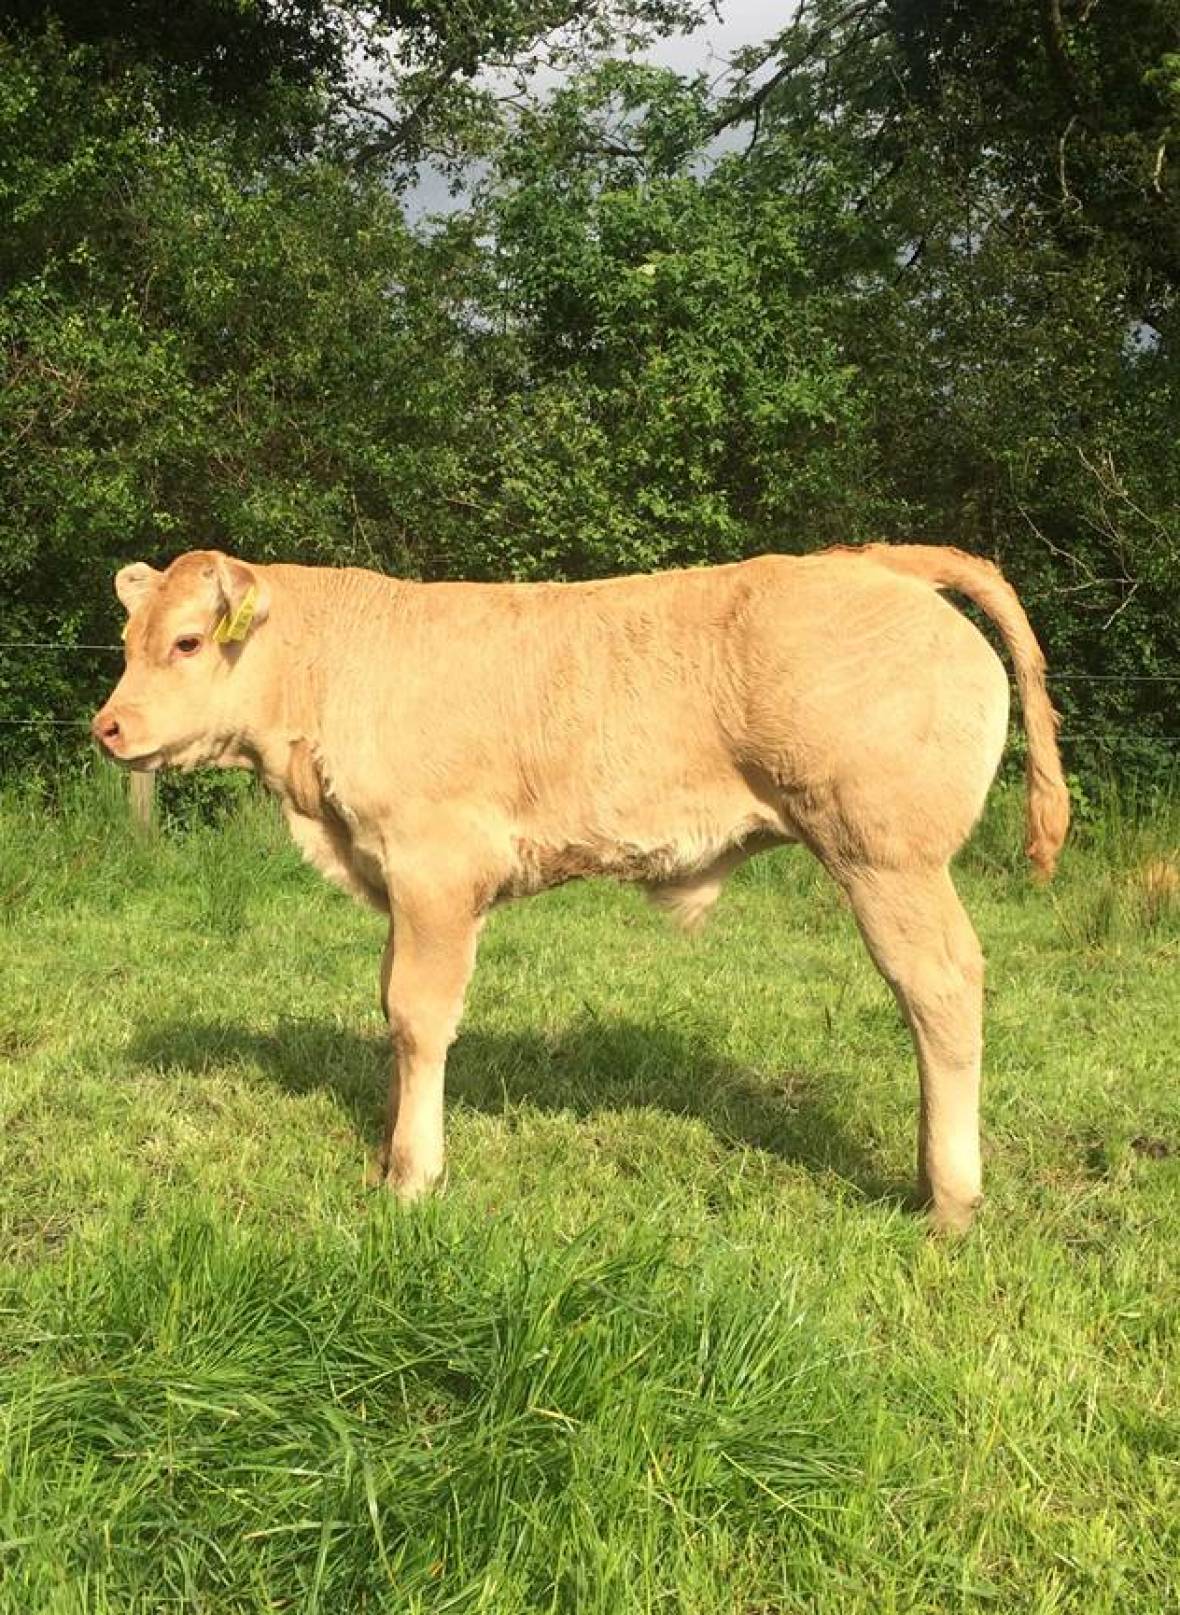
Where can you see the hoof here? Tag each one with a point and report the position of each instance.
(408, 1181)
(953, 1216)
(408, 1190)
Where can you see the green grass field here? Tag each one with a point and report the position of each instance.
(672, 1339)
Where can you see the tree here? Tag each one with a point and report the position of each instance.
(908, 270)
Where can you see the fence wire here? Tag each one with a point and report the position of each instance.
(1053, 676)
(1108, 737)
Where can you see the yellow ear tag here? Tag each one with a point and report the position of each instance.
(235, 628)
(125, 627)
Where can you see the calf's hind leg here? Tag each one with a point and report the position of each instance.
(924, 945)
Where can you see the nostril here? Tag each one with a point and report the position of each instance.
(106, 727)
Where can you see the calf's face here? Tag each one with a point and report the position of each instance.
(178, 702)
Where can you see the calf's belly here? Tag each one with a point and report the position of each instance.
(665, 842)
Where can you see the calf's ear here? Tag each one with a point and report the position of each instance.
(134, 583)
(245, 600)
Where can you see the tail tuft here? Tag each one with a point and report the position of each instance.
(1047, 818)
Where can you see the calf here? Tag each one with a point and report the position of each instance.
(441, 747)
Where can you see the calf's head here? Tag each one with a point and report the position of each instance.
(183, 697)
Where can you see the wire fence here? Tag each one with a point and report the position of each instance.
(69, 646)
(1110, 737)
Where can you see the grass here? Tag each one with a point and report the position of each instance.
(670, 1342)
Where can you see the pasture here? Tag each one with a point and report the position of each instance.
(671, 1341)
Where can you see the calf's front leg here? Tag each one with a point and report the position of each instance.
(386, 971)
(424, 980)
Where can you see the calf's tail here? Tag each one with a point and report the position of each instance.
(985, 584)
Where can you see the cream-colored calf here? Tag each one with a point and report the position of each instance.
(438, 748)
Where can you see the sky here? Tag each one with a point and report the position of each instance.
(737, 23)
(741, 22)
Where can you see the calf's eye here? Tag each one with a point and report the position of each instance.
(187, 644)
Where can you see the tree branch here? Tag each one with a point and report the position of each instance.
(750, 105)
(402, 131)
(1077, 95)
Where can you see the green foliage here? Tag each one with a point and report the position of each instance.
(929, 295)
(1076, 105)
(195, 358)
(228, 50)
(686, 401)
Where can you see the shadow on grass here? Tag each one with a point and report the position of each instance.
(594, 1067)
